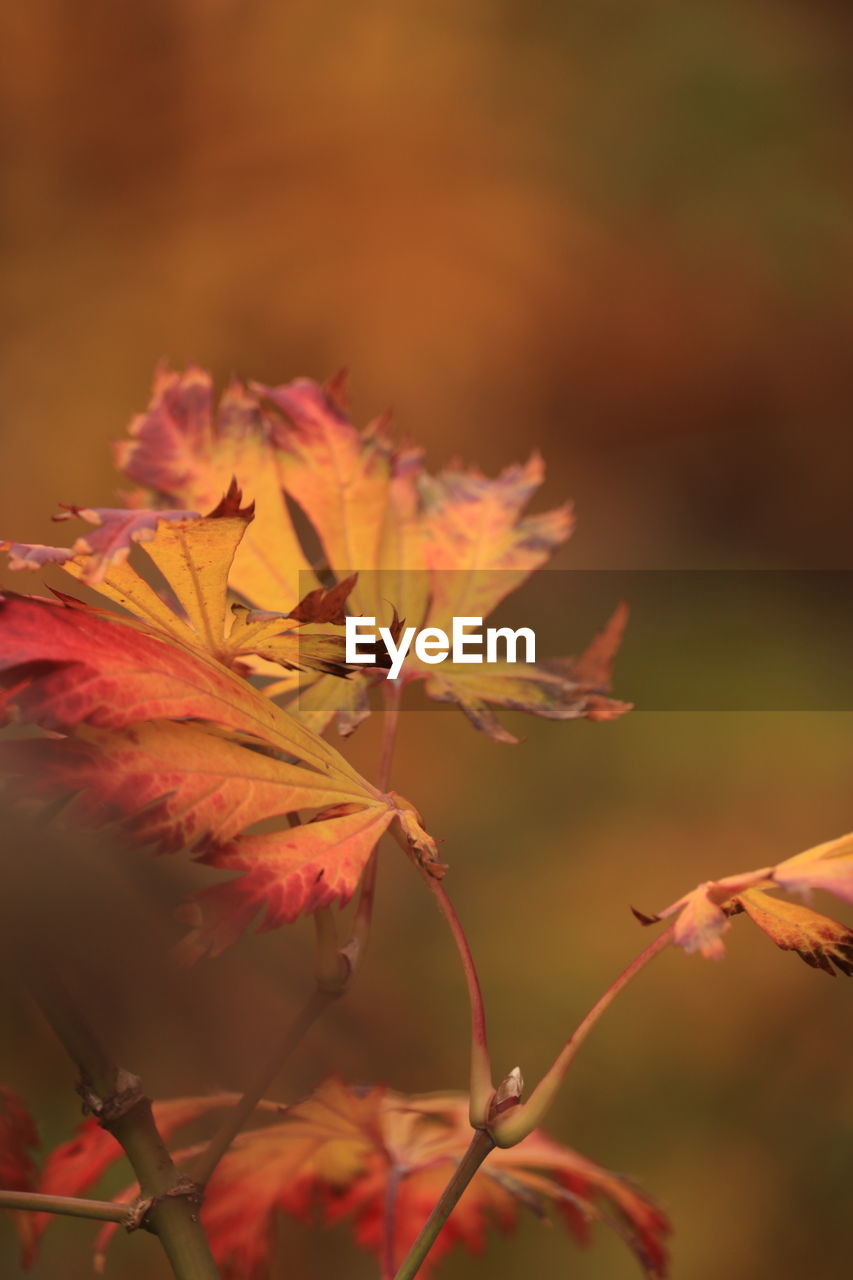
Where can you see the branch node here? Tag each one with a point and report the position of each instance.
(126, 1095)
(140, 1210)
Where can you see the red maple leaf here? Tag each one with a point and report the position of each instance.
(378, 1160)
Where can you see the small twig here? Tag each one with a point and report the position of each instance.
(115, 1097)
(36, 1202)
(481, 1145)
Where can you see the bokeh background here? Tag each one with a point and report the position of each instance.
(619, 232)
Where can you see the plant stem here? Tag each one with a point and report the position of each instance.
(524, 1118)
(234, 1120)
(103, 1210)
(115, 1097)
(480, 1146)
(482, 1088)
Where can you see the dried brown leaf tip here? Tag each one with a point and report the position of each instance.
(822, 942)
(325, 604)
(229, 505)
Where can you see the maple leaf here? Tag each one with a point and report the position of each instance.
(823, 943)
(194, 555)
(186, 452)
(380, 1160)
(827, 866)
(18, 1171)
(704, 915)
(427, 546)
(186, 754)
(116, 530)
(557, 689)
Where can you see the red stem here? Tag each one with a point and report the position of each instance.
(482, 1088)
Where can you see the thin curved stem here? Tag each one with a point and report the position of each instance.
(524, 1118)
(36, 1202)
(482, 1089)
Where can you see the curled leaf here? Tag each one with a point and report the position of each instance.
(116, 530)
(702, 915)
(827, 866)
(34, 555)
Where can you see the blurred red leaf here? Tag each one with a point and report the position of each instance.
(379, 1159)
(18, 1171)
(126, 698)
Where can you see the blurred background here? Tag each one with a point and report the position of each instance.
(617, 232)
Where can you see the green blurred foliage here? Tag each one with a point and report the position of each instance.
(621, 233)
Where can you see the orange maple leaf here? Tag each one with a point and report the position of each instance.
(194, 554)
(823, 943)
(380, 1160)
(187, 754)
(428, 546)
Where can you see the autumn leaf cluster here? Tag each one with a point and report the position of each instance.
(368, 1156)
(188, 705)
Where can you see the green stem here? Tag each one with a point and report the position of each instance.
(389, 1227)
(115, 1097)
(480, 1146)
(103, 1210)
